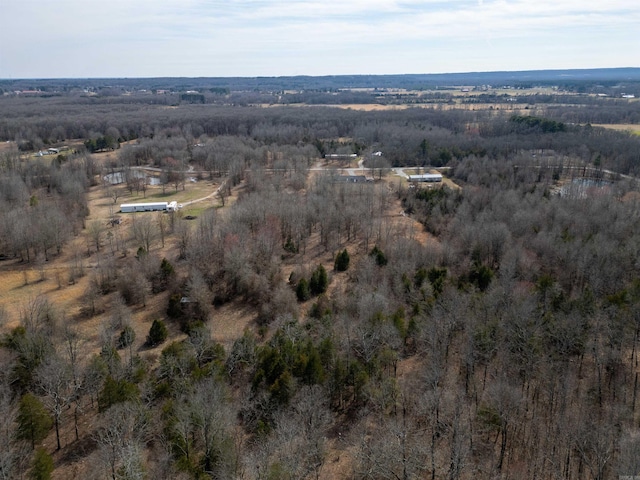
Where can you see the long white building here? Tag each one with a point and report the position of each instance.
(149, 207)
(426, 177)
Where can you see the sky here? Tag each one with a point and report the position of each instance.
(249, 38)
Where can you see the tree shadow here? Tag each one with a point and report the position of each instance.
(78, 450)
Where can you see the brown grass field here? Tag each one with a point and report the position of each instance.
(374, 107)
(627, 127)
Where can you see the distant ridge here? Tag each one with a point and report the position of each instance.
(329, 82)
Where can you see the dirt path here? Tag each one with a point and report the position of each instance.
(211, 195)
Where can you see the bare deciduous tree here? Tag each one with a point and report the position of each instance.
(210, 415)
(55, 379)
(144, 230)
(96, 231)
(119, 440)
(9, 451)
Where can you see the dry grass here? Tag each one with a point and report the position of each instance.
(7, 146)
(15, 293)
(509, 107)
(230, 321)
(627, 127)
(20, 282)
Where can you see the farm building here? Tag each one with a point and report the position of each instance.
(340, 155)
(149, 207)
(427, 177)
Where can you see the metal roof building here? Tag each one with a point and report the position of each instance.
(426, 177)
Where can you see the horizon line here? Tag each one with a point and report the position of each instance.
(478, 72)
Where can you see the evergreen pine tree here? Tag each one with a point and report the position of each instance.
(33, 420)
(42, 465)
(342, 261)
(319, 281)
(158, 333)
(302, 290)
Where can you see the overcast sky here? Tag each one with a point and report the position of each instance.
(210, 38)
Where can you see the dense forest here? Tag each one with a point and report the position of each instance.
(483, 327)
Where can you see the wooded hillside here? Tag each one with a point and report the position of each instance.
(305, 315)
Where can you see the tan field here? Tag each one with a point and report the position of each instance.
(628, 127)
(375, 107)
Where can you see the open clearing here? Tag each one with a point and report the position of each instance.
(628, 127)
(372, 107)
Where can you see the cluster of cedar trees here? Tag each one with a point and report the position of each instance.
(506, 346)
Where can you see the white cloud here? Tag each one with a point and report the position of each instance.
(277, 37)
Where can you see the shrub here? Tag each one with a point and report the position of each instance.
(419, 277)
(163, 276)
(42, 465)
(33, 420)
(321, 308)
(319, 281)
(158, 333)
(116, 391)
(378, 256)
(290, 246)
(481, 275)
(342, 261)
(437, 277)
(282, 389)
(166, 269)
(174, 308)
(302, 290)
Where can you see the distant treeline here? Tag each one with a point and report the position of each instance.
(414, 136)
